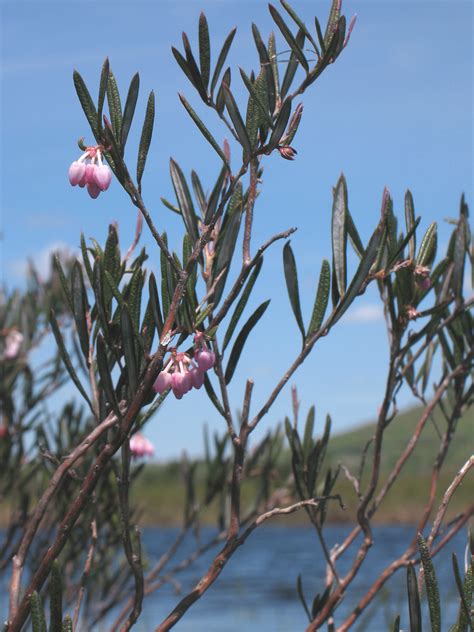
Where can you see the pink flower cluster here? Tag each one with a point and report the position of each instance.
(182, 373)
(89, 171)
(141, 446)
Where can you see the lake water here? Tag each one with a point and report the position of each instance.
(256, 591)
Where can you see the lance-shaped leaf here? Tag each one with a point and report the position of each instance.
(333, 20)
(198, 193)
(396, 624)
(87, 104)
(413, 600)
(203, 129)
(299, 590)
(339, 234)
(353, 234)
(80, 308)
(465, 590)
(292, 66)
(241, 339)
(266, 66)
(215, 195)
(220, 100)
(242, 303)
(86, 260)
(293, 126)
(398, 250)
(361, 275)
(287, 34)
(221, 59)
(170, 206)
(300, 24)
(322, 298)
(254, 93)
(155, 303)
(431, 584)
(145, 139)
(212, 396)
(226, 242)
(105, 375)
(104, 78)
(66, 359)
(38, 620)
(308, 432)
(184, 200)
(427, 251)
(129, 109)
(63, 281)
(410, 222)
(56, 599)
(115, 106)
(197, 79)
(461, 246)
(128, 341)
(237, 121)
(204, 50)
(280, 124)
(291, 278)
(272, 53)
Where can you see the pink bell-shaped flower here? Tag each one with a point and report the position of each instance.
(102, 177)
(76, 172)
(205, 359)
(141, 446)
(162, 382)
(93, 190)
(197, 376)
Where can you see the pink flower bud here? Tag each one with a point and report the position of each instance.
(140, 446)
(102, 177)
(89, 174)
(163, 382)
(205, 359)
(177, 385)
(76, 172)
(13, 343)
(93, 190)
(197, 377)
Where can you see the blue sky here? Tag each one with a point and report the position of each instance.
(395, 110)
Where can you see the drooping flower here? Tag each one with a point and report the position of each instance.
(182, 373)
(141, 446)
(89, 171)
(13, 342)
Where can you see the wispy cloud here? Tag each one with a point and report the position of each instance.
(18, 268)
(368, 313)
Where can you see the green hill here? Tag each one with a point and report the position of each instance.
(159, 491)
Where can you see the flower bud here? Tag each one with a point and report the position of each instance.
(93, 190)
(197, 377)
(89, 174)
(177, 385)
(102, 177)
(162, 382)
(205, 359)
(76, 172)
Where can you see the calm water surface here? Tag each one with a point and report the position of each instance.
(256, 590)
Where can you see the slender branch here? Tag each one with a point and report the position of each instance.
(85, 575)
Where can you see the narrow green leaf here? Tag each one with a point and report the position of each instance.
(280, 124)
(87, 104)
(263, 109)
(80, 308)
(308, 432)
(291, 278)
(361, 275)
(66, 359)
(396, 624)
(145, 139)
(300, 24)
(86, 261)
(353, 233)
(203, 129)
(465, 609)
(197, 79)
(56, 599)
(285, 31)
(299, 589)
(241, 339)
(265, 66)
(155, 303)
(170, 206)
(202, 315)
(128, 341)
(339, 234)
(398, 250)
(237, 122)
(410, 221)
(322, 298)
(67, 624)
(184, 200)
(183, 64)
(221, 59)
(220, 100)
(226, 241)
(461, 247)
(272, 53)
(129, 109)
(198, 193)
(431, 584)
(293, 126)
(215, 195)
(332, 22)
(104, 78)
(115, 106)
(204, 50)
(38, 620)
(212, 396)
(242, 303)
(427, 250)
(105, 376)
(320, 35)
(62, 279)
(413, 600)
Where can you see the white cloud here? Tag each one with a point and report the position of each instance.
(367, 313)
(41, 260)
